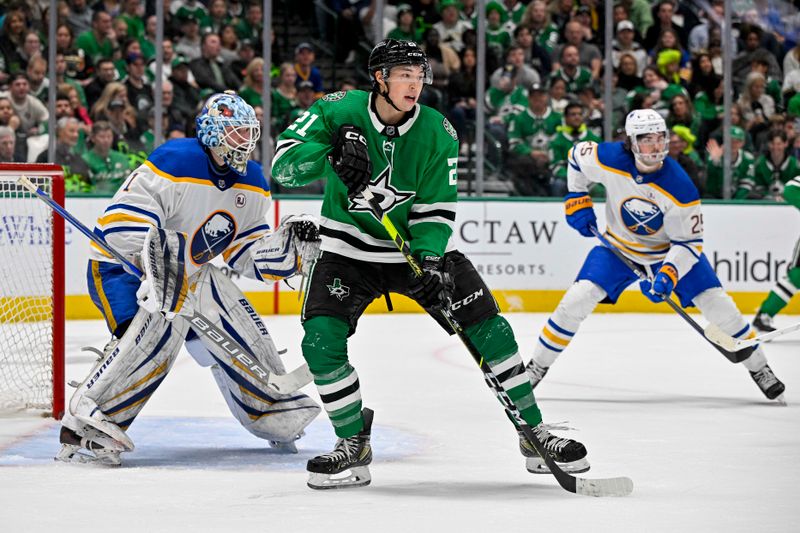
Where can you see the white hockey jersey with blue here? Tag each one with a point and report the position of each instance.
(178, 189)
(651, 218)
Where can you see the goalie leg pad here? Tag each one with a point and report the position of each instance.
(577, 304)
(122, 381)
(719, 309)
(265, 414)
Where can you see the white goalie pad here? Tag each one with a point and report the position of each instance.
(262, 412)
(122, 381)
(289, 250)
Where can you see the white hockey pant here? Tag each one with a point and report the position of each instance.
(264, 413)
(131, 369)
(577, 304)
(719, 309)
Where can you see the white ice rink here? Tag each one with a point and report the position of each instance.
(649, 398)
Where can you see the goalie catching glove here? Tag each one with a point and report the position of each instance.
(350, 159)
(165, 287)
(289, 250)
(433, 289)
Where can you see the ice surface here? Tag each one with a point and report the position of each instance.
(650, 400)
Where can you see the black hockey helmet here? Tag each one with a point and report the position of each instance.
(391, 53)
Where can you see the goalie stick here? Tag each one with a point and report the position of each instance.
(724, 343)
(618, 486)
(282, 383)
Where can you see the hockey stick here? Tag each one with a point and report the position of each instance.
(284, 384)
(729, 343)
(716, 337)
(618, 486)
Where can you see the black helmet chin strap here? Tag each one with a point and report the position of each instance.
(386, 96)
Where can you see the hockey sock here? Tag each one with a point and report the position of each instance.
(494, 339)
(579, 301)
(781, 293)
(719, 309)
(325, 351)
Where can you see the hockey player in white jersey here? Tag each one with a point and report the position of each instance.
(190, 201)
(654, 218)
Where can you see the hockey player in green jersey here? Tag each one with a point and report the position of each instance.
(789, 284)
(406, 154)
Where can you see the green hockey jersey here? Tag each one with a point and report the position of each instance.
(528, 132)
(414, 170)
(742, 174)
(769, 179)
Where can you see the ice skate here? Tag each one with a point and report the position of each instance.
(350, 457)
(535, 372)
(770, 385)
(763, 323)
(87, 449)
(568, 453)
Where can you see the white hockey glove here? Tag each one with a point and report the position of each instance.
(289, 250)
(165, 287)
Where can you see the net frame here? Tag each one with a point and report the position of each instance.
(41, 174)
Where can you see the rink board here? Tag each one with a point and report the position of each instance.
(524, 249)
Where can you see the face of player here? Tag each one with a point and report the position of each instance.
(652, 144)
(406, 85)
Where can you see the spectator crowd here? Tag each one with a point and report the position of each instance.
(544, 65)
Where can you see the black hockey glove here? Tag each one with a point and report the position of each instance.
(350, 159)
(434, 288)
(306, 231)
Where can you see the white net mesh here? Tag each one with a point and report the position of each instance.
(26, 297)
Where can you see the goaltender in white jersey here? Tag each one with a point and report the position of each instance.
(192, 200)
(654, 218)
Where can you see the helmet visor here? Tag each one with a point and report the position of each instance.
(411, 74)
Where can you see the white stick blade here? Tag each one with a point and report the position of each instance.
(28, 184)
(720, 338)
(294, 380)
(615, 486)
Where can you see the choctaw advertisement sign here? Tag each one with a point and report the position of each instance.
(514, 244)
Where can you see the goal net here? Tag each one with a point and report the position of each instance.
(31, 291)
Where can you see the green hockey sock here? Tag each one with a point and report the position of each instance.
(495, 341)
(325, 351)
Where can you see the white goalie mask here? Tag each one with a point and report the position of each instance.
(648, 136)
(228, 126)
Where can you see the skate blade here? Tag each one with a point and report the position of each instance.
(535, 465)
(781, 400)
(112, 431)
(283, 447)
(354, 477)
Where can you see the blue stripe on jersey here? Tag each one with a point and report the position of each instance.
(126, 228)
(552, 348)
(572, 162)
(559, 329)
(690, 241)
(260, 227)
(186, 158)
(135, 209)
(239, 254)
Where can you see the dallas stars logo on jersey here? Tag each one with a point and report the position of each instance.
(339, 290)
(387, 195)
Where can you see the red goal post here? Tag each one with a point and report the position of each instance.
(32, 249)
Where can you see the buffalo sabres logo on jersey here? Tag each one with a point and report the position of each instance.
(213, 237)
(387, 195)
(641, 216)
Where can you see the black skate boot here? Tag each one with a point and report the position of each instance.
(763, 323)
(535, 372)
(771, 386)
(569, 454)
(352, 454)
